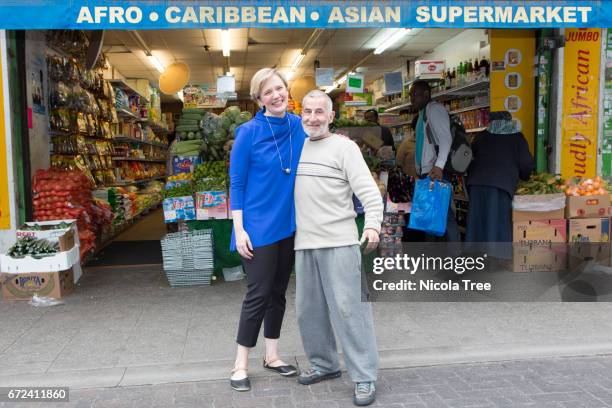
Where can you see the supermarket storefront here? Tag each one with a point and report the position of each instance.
(557, 52)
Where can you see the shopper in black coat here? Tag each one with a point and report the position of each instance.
(501, 158)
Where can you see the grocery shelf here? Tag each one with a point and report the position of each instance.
(470, 108)
(134, 140)
(120, 83)
(475, 130)
(139, 159)
(127, 183)
(127, 114)
(398, 107)
(408, 122)
(464, 90)
(467, 89)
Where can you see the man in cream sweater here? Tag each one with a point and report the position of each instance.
(328, 257)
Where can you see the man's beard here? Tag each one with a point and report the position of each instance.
(320, 133)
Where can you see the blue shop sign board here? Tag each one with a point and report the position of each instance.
(157, 14)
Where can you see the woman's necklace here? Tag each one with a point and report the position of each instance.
(286, 170)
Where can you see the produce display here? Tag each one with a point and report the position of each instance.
(36, 248)
(180, 177)
(62, 194)
(587, 187)
(543, 183)
(38, 227)
(344, 122)
(180, 190)
(211, 176)
(187, 148)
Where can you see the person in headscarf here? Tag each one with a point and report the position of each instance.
(501, 157)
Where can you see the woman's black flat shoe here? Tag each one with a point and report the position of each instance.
(284, 370)
(240, 385)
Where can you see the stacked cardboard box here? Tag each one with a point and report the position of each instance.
(52, 276)
(537, 245)
(589, 229)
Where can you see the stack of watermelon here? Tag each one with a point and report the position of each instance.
(188, 126)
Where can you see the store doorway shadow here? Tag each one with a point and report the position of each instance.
(129, 253)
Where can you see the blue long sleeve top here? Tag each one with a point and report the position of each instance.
(258, 185)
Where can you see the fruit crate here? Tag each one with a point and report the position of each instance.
(188, 257)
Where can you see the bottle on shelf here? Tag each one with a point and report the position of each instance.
(453, 80)
(470, 71)
(484, 67)
(447, 79)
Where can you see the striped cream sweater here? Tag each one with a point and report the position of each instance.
(330, 171)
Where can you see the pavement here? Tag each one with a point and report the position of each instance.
(125, 327)
(541, 383)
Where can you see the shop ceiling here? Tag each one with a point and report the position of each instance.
(252, 49)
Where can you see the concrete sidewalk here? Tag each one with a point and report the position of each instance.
(128, 327)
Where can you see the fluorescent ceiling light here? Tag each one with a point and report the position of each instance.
(225, 41)
(329, 89)
(180, 95)
(341, 80)
(289, 75)
(390, 40)
(157, 63)
(297, 61)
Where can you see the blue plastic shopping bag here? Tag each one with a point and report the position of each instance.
(430, 206)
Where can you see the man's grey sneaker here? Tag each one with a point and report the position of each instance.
(365, 394)
(314, 375)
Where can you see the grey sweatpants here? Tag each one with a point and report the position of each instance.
(329, 295)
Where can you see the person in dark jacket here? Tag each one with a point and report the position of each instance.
(501, 158)
(372, 116)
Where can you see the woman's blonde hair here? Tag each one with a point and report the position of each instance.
(262, 76)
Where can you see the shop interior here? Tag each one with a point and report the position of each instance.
(108, 118)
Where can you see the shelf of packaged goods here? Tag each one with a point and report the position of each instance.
(470, 108)
(398, 107)
(436, 78)
(463, 90)
(126, 139)
(476, 130)
(120, 83)
(139, 159)
(408, 122)
(127, 183)
(127, 114)
(63, 133)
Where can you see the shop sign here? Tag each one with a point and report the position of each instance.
(5, 214)
(202, 96)
(606, 145)
(158, 14)
(580, 102)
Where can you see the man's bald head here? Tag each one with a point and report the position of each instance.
(420, 94)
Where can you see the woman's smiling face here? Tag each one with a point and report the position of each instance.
(274, 96)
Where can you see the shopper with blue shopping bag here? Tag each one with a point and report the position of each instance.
(433, 145)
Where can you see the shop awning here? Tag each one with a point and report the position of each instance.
(85, 14)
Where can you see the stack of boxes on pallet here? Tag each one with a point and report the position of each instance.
(52, 276)
(560, 233)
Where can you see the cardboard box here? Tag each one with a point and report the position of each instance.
(539, 257)
(185, 164)
(429, 67)
(179, 209)
(582, 252)
(211, 205)
(589, 230)
(23, 286)
(518, 216)
(539, 232)
(538, 207)
(58, 262)
(65, 236)
(596, 206)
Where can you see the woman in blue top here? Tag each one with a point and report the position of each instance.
(263, 164)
